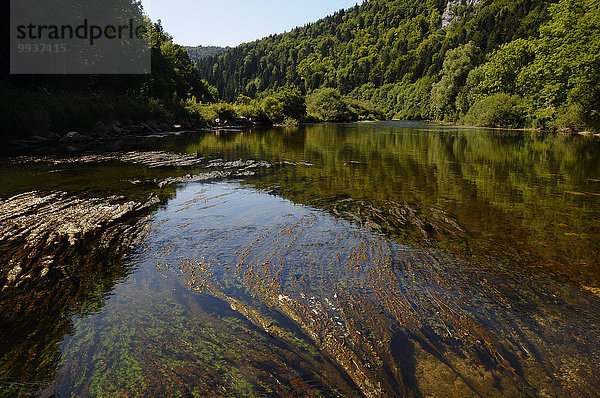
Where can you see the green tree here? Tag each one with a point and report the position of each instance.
(471, 91)
(327, 105)
(173, 72)
(458, 63)
(293, 102)
(557, 74)
(273, 109)
(502, 73)
(566, 69)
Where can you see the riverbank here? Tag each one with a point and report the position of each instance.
(522, 129)
(40, 115)
(104, 133)
(107, 134)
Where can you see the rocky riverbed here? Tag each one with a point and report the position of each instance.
(39, 231)
(327, 261)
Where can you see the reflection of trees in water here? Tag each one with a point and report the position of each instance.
(530, 193)
(410, 321)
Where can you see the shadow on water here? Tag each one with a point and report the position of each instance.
(423, 261)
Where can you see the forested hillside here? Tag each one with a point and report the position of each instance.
(504, 63)
(512, 63)
(201, 52)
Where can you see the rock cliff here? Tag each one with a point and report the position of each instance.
(453, 10)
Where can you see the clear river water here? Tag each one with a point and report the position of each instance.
(368, 259)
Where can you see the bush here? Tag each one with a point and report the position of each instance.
(365, 110)
(571, 117)
(224, 111)
(290, 121)
(293, 102)
(327, 105)
(496, 110)
(200, 111)
(273, 109)
(251, 111)
(543, 118)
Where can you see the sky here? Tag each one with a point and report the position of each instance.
(232, 22)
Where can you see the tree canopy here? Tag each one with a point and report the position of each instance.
(396, 55)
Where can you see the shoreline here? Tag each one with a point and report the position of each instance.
(522, 129)
(153, 130)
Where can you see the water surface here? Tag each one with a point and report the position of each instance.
(368, 259)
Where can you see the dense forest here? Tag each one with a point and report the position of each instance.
(523, 63)
(201, 52)
(502, 63)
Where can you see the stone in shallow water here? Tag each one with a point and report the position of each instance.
(38, 229)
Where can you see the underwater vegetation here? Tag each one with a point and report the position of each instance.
(401, 320)
(388, 259)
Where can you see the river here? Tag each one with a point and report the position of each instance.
(365, 259)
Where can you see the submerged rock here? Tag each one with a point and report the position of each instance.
(40, 230)
(99, 127)
(203, 177)
(148, 159)
(155, 159)
(74, 136)
(399, 320)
